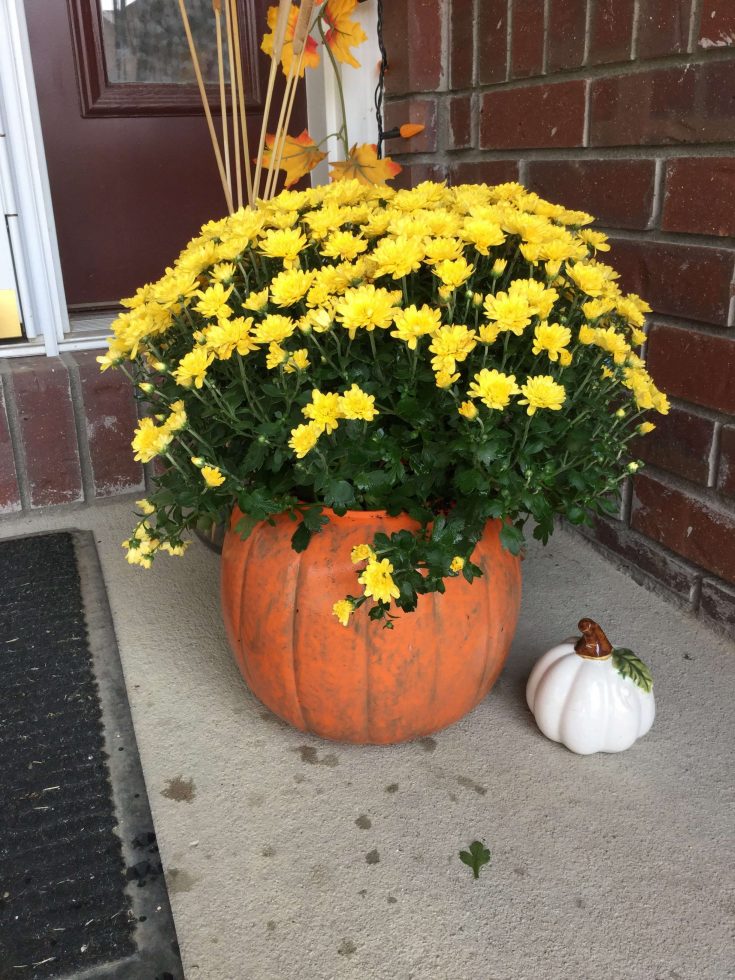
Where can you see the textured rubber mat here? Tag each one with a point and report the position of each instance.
(81, 888)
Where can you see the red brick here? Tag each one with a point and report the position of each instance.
(484, 171)
(462, 43)
(644, 555)
(611, 31)
(9, 493)
(492, 49)
(533, 116)
(696, 367)
(110, 417)
(694, 104)
(527, 41)
(618, 192)
(717, 604)
(700, 196)
(700, 532)
(46, 420)
(567, 22)
(688, 281)
(415, 173)
(460, 123)
(681, 444)
(663, 27)
(414, 67)
(717, 24)
(422, 111)
(726, 468)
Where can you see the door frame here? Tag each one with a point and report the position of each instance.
(25, 184)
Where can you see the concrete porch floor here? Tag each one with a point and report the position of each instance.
(290, 858)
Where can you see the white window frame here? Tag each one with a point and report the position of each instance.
(24, 182)
(25, 190)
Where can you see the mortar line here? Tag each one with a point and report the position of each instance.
(16, 438)
(545, 52)
(658, 196)
(714, 455)
(509, 41)
(80, 426)
(637, 14)
(695, 20)
(587, 31)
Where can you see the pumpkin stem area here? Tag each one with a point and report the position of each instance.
(592, 644)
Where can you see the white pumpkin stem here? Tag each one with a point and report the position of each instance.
(592, 644)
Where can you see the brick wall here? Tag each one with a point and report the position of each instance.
(625, 109)
(65, 432)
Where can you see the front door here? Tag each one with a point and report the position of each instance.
(130, 163)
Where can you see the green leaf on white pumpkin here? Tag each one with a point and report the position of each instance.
(629, 665)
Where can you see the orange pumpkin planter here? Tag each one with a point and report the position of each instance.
(362, 683)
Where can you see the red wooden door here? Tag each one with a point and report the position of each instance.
(130, 163)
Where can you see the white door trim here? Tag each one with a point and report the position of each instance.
(26, 188)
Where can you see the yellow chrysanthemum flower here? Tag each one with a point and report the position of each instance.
(445, 379)
(412, 323)
(551, 338)
(442, 250)
(256, 302)
(228, 336)
(468, 410)
(366, 307)
(539, 298)
(275, 357)
(541, 391)
(361, 552)
(378, 581)
(274, 329)
(511, 313)
(145, 506)
(482, 234)
(213, 302)
(290, 286)
(324, 409)
(193, 366)
(397, 257)
(343, 609)
(453, 273)
(150, 440)
(297, 361)
(177, 418)
(493, 388)
(283, 243)
(213, 476)
(457, 563)
(304, 438)
(357, 404)
(343, 245)
(589, 278)
(612, 342)
(450, 345)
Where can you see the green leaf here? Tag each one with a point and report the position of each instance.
(301, 537)
(475, 857)
(339, 493)
(629, 665)
(245, 526)
(511, 539)
(314, 519)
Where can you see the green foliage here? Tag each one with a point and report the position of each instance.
(629, 665)
(475, 857)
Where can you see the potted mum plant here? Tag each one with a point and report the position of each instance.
(382, 392)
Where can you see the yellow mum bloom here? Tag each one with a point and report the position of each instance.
(290, 286)
(454, 272)
(595, 308)
(451, 344)
(590, 278)
(223, 272)
(499, 267)
(489, 332)
(378, 581)
(595, 239)
(343, 609)
(361, 552)
(457, 564)
(298, 361)
(509, 312)
(539, 298)
(412, 323)
(304, 438)
(343, 245)
(213, 477)
(357, 404)
(257, 302)
(177, 550)
(541, 391)
(324, 410)
(397, 257)
(147, 507)
(482, 234)
(149, 440)
(612, 342)
(274, 329)
(552, 338)
(193, 367)
(366, 307)
(493, 388)
(468, 410)
(445, 379)
(213, 302)
(229, 336)
(442, 250)
(177, 418)
(283, 243)
(587, 334)
(275, 357)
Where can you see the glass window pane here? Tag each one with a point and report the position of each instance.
(144, 41)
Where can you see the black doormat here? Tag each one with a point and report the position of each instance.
(81, 888)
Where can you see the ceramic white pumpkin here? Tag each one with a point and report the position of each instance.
(589, 696)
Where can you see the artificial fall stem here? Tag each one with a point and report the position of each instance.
(338, 79)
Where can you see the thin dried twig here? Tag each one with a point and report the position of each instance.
(284, 9)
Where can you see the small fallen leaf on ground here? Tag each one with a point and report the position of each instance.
(475, 857)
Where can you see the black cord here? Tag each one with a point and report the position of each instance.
(380, 90)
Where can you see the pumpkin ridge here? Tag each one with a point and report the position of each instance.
(294, 643)
(565, 706)
(242, 659)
